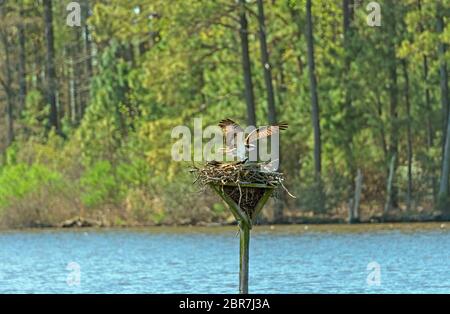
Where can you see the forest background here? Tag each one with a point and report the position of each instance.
(88, 102)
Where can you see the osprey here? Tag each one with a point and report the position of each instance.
(235, 142)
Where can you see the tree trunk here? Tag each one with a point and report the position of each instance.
(409, 136)
(78, 70)
(87, 40)
(313, 88)
(443, 187)
(267, 68)
(51, 73)
(382, 129)
(272, 116)
(389, 204)
(347, 8)
(38, 73)
(7, 85)
(88, 68)
(430, 131)
(297, 20)
(429, 114)
(354, 204)
(246, 67)
(68, 86)
(443, 74)
(393, 99)
(10, 136)
(9, 93)
(22, 64)
(347, 20)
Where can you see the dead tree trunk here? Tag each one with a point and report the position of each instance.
(353, 215)
(388, 205)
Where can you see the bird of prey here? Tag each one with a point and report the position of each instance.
(238, 145)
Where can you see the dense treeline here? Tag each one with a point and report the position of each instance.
(87, 110)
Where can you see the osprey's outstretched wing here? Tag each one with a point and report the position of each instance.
(230, 129)
(265, 131)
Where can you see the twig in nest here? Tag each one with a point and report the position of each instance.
(237, 173)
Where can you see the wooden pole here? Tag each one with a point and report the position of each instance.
(245, 225)
(244, 255)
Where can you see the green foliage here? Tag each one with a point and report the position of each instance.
(218, 208)
(34, 115)
(108, 117)
(17, 181)
(159, 64)
(99, 185)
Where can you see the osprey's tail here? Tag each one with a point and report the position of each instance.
(282, 125)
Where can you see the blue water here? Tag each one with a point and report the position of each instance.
(137, 261)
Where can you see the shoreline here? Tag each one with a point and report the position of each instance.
(259, 228)
(83, 222)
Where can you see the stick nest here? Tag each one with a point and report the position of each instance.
(231, 176)
(238, 173)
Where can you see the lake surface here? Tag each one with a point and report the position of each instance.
(296, 259)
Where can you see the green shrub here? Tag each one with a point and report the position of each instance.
(99, 185)
(17, 181)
